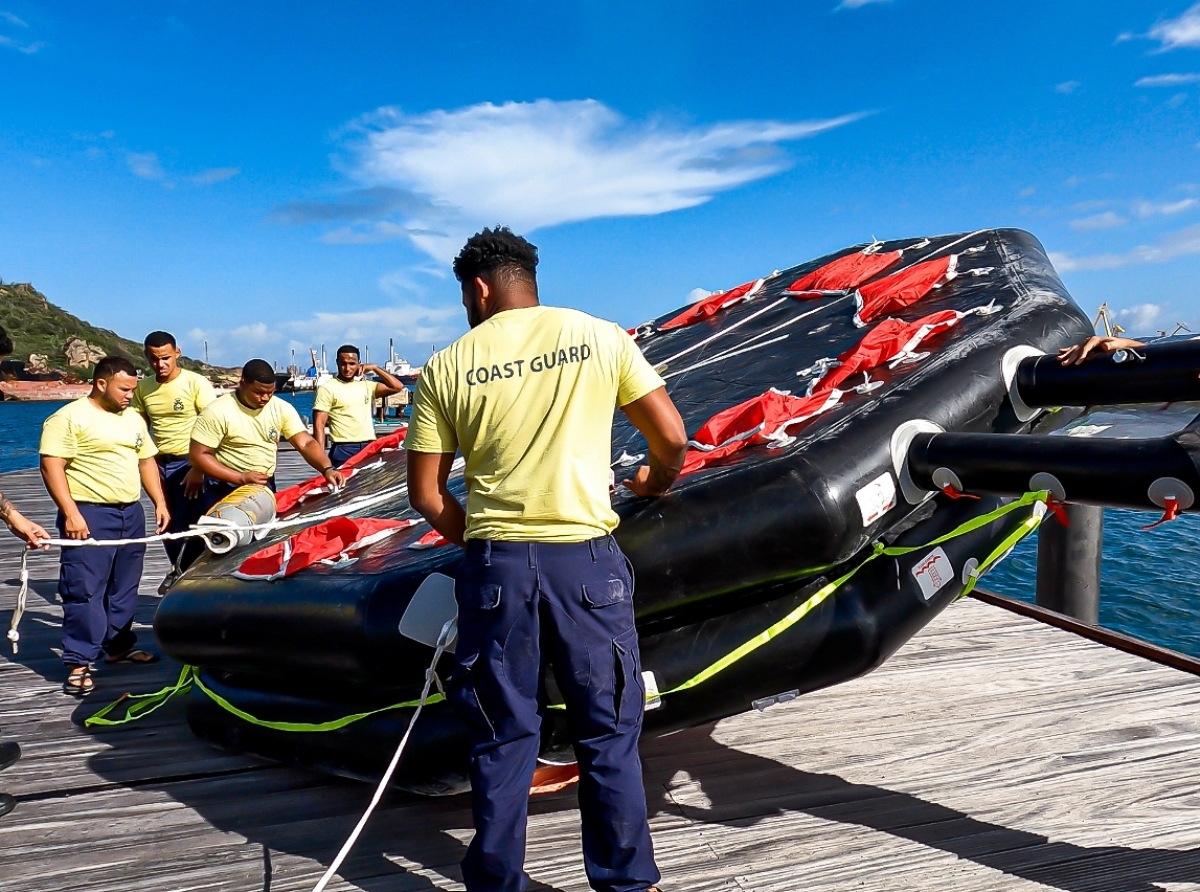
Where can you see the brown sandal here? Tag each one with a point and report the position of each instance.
(140, 657)
(79, 682)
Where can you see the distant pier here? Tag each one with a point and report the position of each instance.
(993, 752)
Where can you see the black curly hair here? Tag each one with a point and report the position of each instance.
(498, 254)
(6, 344)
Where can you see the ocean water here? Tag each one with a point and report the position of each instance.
(1150, 585)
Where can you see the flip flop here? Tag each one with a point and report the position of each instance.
(141, 657)
(79, 684)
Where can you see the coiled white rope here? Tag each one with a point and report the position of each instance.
(447, 634)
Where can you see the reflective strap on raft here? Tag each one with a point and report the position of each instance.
(190, 676)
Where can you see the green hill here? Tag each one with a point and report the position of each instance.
(39, 328)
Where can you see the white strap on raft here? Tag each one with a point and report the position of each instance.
(448, 632)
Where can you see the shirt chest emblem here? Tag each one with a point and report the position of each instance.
(273, 434)
(177, 405)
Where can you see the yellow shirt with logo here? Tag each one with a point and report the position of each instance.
(246, 440)
(528, 397)
(349, 406)
(102, 450)
(172, 408)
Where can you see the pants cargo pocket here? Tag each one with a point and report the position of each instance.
(463, 694)
(629, 691)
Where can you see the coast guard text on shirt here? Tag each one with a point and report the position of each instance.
(516, 368)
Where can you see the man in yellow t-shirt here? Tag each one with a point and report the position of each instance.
(171, 402)
(345, 403)
(528, 397)
(96, 457)
(236, 439)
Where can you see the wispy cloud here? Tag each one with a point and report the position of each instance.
(380, 231)
(856, 4)
(443, 174)
(145, 165)
(28, 48)
(1106, 220)
(1183, 243)
(1163, 208)
(1172, 34)
(1168, 80)
(1141, 318)
(1067, 87)
(214, 175)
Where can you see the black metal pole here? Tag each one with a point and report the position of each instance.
(1068, 564)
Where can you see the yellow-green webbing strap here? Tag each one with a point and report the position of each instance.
(144, 704)
(822, 594)
(333, 725)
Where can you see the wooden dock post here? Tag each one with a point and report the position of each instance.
(1068, 564)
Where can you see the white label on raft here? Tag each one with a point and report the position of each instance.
(877, 498)
(932, 573)
(653, 698)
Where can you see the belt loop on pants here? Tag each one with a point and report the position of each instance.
(487, 552)
(592, 549)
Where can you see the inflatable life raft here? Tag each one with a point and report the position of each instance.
(795, 552)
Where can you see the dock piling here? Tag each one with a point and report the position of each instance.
(1068, 563)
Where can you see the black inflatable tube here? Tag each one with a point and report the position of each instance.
(1110, 473)
(849, 634)
(1155, 373)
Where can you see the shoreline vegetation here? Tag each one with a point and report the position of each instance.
(50, 344)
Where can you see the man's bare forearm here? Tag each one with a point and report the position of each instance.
(664, 472)
(6, 508)
(54, 475)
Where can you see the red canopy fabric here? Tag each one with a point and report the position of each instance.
(762, 419)
(891, 341)
(330, 541)
(711, 305)
(432, 539)
(844, 274)
(903, 289)
(287, 499)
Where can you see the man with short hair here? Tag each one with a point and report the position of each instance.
(97, 456)
(171, 402)
(345, 403)
(528, 397)
(236, 438)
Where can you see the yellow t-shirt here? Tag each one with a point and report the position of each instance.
(102, 450)
(528, 397)
(246, 440)
(172, 408)
(349, 408)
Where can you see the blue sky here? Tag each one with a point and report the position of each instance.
(270, 176)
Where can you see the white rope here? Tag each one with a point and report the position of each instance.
(430, 678)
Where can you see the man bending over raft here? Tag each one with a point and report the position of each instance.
(97, 456)
(235, 440)
(18, 524)
(528, 397)
(171, 402)
(345, 403)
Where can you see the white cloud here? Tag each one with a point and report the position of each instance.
(12, 19)
(1141, 318)
(538, 164)
(1067, 87)
(145, 165)
(381, 231)
(414, 326)
(1183, 32)
(215, 175)
(27, 48)
(1168, 80)
(696, 294)
(857, 4)
(1106, 220)
(1167, 208)
(1185, 242)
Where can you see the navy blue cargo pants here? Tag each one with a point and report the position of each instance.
(99, 585)
(521, 605)
(340, 453)
(184, 511)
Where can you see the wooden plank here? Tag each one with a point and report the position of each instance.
(992, 752)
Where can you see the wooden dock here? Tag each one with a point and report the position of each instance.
(992, 753)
